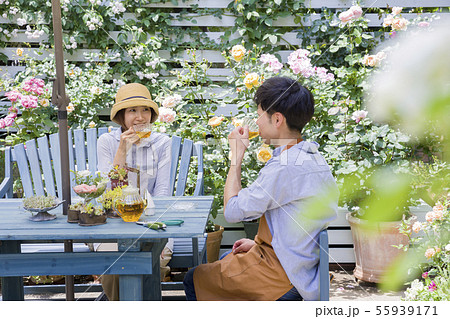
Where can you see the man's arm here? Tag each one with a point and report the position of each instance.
(239, 142)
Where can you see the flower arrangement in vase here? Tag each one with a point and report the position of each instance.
(118, 176)
(89, 187)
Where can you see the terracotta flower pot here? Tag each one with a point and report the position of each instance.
(213, 242)
(73, 215)
(373, 246)
(91, 219)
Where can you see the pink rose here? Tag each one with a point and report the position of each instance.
(2, 123)
(346, 16)
(399, 24)
(388, 20)
(13, 109)
(166, 114)
(84, 189)
(423, 24)
(396, 10)
(13, 96)
(359, 115)
(416, 227)
(357, 12)
(275, 66)
(430, 252)
(9, 120)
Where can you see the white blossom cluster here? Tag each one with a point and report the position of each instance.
(94, 23)
(95, 2)
(150, 76)
(416, 287)
(136, 51)
(117, 7)
(73, 43)
(34, 34)
(153, 63)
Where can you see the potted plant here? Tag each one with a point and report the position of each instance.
(91, 215)
(41, 205)
(107, 201)
(213, 241)
(73, 212)
(118, 176)
(376, 212)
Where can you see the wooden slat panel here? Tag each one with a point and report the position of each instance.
(33, 159)
(22, 165)
(55, 152)
(91, 140)
(75, 263)
(342, 255)
(46, 163)
(340, 236)
(102, 130)
(176, 150)
(80, 149)
(198, 151)
(185, 161)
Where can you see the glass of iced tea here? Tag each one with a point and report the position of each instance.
(253, 130)
(143, 130)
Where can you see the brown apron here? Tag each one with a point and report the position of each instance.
(254, 275)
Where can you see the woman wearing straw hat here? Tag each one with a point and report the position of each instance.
(123, 147)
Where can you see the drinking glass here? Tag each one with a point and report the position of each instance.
(253, 130)
(143, 130)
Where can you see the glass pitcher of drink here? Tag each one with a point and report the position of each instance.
(130, 205)
(253, 130)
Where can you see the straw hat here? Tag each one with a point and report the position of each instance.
(131, 95)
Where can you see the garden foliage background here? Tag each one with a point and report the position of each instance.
(181, 50)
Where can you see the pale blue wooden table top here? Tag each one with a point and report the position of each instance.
(15, 223)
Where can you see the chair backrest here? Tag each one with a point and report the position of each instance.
(39, 164)
(324, 269)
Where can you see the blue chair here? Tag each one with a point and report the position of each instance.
(324, 270)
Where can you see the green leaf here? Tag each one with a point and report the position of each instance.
(273, 39)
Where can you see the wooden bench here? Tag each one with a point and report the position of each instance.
(38, 163)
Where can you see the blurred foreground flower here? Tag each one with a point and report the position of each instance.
(413, 90)
(215, 121)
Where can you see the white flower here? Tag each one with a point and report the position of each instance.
(84, 173)
(417, 285)
(140, 75)
(447, 247)
(21, 21)
(117, 7)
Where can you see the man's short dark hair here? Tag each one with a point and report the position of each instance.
(289, 97)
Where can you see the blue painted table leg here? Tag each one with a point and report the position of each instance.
(12, 287)
(131, 287)
(152, 283)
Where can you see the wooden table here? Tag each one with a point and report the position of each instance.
(138, 269)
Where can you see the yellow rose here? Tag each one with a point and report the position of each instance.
(19, 51)
(45, 102)
(92, 124)
(251, 80)
(238, 52)
(236, 122)
(215, 121)
(264, 154)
